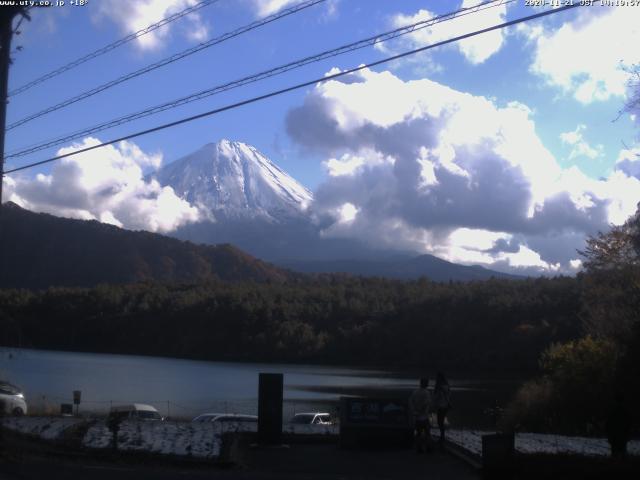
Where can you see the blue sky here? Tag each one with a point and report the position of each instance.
(559, 76)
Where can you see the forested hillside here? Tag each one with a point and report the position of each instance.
(497, 325)
(42, 250)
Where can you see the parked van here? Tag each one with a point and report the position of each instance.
(138, 411)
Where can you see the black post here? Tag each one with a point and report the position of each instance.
(6, 31)
(113, 424)
(7, 15)
(270, 392)
(2, 409)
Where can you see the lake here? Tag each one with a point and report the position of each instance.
(185, 388)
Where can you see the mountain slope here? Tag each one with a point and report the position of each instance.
(399, 267)
(232, 180)
(39, 250)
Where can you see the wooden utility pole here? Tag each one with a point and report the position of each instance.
(6, 19)
(7, 14)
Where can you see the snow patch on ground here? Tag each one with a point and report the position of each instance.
(201, 440)
(299, 429)
(204, 440)
(190, 439)
(98, 436)
(47, 428)
(528, 443)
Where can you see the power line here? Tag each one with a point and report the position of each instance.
(259, 76)
(299, 86)
(168, 60)
(112, 46)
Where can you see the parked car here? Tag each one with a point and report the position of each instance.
(225, 417)
(138, 411)
(313, 418)
(12, 400)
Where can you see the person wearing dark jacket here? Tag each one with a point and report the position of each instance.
(441, 402)
(619, 427)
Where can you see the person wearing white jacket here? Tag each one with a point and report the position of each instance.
(420, 405)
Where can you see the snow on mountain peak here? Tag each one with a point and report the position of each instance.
(231, 179)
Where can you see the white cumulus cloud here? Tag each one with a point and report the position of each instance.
(452, 174)
(134, 16)
(580, 148)
(587, 56)
(476, 50)
(264, 8)
(106, 184)
(268, 7)
(629, 162)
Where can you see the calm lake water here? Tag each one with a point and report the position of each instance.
(185, 388)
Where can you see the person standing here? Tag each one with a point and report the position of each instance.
(420, 404)
(619, 427)
(441, 402)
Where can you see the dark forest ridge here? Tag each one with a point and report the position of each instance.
(43, 250)
(399, 267)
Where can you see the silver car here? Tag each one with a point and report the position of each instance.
(12, 400)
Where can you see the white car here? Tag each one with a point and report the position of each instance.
(137, 411)
(12, 400)
(225, 417)
(314, 418)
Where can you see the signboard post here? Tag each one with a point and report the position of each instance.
(77, 395)
(375, 421)
(2, 411)
(270, 392)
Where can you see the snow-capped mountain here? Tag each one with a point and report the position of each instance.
(234, 181)
(248, 201)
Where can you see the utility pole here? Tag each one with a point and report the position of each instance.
(6, 19)
(7, 14)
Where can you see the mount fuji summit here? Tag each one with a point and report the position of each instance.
(233, 182)
(248, 201)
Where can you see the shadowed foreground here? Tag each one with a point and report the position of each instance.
(25, 459)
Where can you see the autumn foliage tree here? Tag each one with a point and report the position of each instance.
(581, 377)
(611, 296)
(612, 300)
